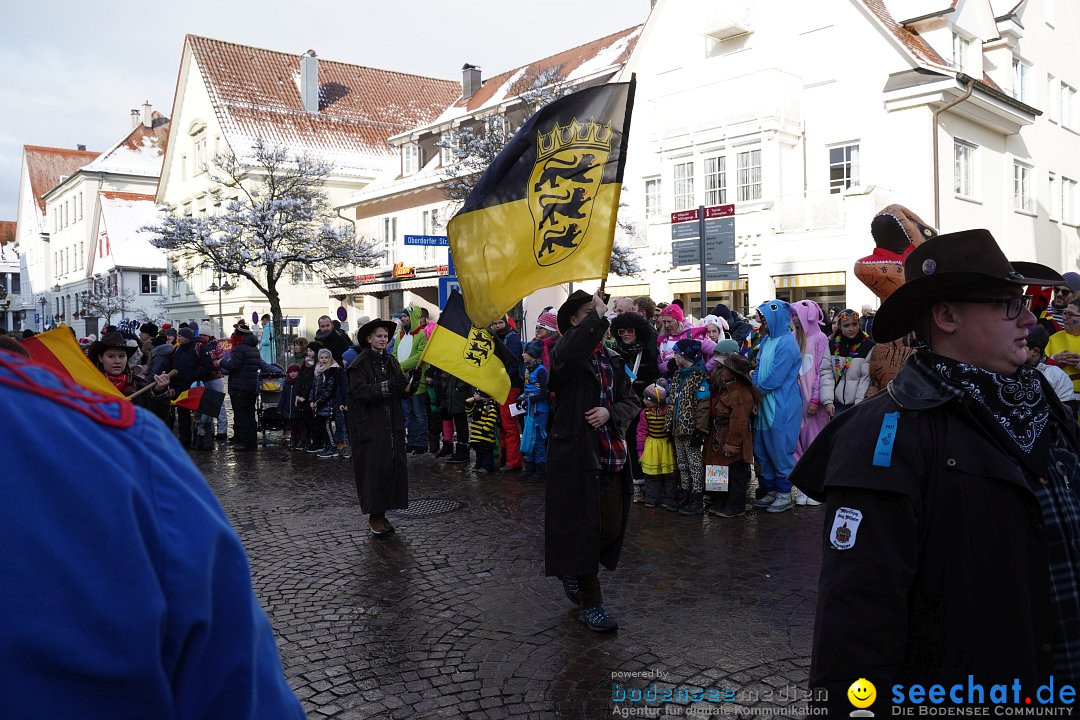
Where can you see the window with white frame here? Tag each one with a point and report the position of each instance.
(1070, 214)
(843, 167)
(1068, 106)
(1055, 199)
(684, 185)
(1023, 200)
(446, 148)
(148, 283)
(716, 180)
(748, 167)
(652, 197)
(961, 51)
(390, 239)
(410, 158)
(1051, 98)
(82, 255)
(964, 169)
(1021, 72)
(80, 205)
(199, 154)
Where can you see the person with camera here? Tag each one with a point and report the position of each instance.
(377, 425)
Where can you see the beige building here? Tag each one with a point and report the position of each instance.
(229, 96)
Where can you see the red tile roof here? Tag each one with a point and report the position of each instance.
(910, 39)
(116, 195)
(141, 151)
(47, 165)
(621, 44)
(7, 232)
(256, 94)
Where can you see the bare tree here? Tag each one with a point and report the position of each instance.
(106, 303)
(280, 226)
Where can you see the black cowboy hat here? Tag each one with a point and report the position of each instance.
(109, 340)
(948, 267)
(571, 306)
(370, 327)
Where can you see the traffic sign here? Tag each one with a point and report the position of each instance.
(428, 240)
(685, 252)
(447, 285)
(722, 272)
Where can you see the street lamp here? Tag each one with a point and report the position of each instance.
(43, 301)
(220, 287)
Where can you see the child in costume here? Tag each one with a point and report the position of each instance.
(776, 429)
(290, 412)
(688, 422)
(534, 398)
(731, 442)
(483, 419)
(656, 450)
(815, 380)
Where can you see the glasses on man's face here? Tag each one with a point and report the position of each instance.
(1062, 290)
(1071, 314)
(1013, 305)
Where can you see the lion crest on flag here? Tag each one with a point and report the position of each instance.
(479, 347)
(564, 181)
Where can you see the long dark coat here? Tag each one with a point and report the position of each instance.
(377, 433)
(944, 572)
(572, 522)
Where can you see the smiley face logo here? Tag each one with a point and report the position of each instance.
(862, 693)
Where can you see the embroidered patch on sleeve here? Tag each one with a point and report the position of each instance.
(844, 528)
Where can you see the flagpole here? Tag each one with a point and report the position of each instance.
(151, 386)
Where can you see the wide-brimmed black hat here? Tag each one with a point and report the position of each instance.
(370, 327)
(950, 267)
(572, 305)
(109, 340)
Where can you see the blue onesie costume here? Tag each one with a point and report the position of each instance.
(776, 427)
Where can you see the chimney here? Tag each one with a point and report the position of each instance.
(81, 147)
(470, 80)
(135, 119)
(309, 82)
(147, 115)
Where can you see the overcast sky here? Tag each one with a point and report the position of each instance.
(72, 71)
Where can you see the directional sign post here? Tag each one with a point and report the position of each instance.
(705, 237)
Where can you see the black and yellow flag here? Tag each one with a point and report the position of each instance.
(544, 212)
(468, 352)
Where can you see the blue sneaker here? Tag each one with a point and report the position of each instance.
(327, 452)
(598, 620)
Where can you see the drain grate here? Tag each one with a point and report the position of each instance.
(426, 507)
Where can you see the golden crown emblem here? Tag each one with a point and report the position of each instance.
(588, 136)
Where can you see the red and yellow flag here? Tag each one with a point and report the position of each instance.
(58, 350)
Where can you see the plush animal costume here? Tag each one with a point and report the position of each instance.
(816, 387)
(896, 232)
(776, 376)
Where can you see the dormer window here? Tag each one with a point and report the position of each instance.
(1021, 71)
(961, 51)
(410, 158)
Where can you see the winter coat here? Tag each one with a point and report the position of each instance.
(377, 433)
(410, 346)
(190, 365)
(304, 382)
(688, 403)
(643, 354)
(572, 493)
(216, 351)
(161, 359)
(268, 344)
(287, 403)
(665, 345)
(934, 564)
(243, 365)
(535, 393)
(483, 419)
(514, 365)
(324, 391)
(850, 375)
(731, 409)
(335, 341)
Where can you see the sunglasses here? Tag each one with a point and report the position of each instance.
(1013, 305)
(1062, 290)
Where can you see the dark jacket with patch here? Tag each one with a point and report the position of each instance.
(572, 520)
(946, 573)
(377, 432)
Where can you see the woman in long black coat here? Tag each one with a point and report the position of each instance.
(377, 427)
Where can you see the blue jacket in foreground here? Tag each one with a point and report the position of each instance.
(126, 592)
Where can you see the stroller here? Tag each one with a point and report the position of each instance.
(267, 414)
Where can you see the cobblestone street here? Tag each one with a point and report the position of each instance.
(452, 617)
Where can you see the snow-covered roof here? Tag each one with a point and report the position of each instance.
(122, 214)
(256, 95)
(141, 152)
(47, 166)
(578, 63)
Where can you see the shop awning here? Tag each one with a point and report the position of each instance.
(392, 285)
(693, 286)
(810, 280)
(628, 290)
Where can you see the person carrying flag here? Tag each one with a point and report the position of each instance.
(110, 355)
(589, 486)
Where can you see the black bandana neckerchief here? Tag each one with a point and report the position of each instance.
(1016, 402)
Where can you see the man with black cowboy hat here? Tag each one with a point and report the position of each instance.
(588, 483)
(952, 535)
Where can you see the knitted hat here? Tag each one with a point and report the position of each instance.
(170, 332)
(548, 321)
(658, 393)
(292, 368)
(688, 349)
(186, 332)
(534, 348)
(673, 311)
(725, 347)
(1072, 280)
(149, 328)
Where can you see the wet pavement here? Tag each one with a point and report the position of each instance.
(452, 616)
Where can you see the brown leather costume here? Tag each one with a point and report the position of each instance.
(896, 232)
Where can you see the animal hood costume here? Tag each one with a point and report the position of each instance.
(776, 430)
(816, 386)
